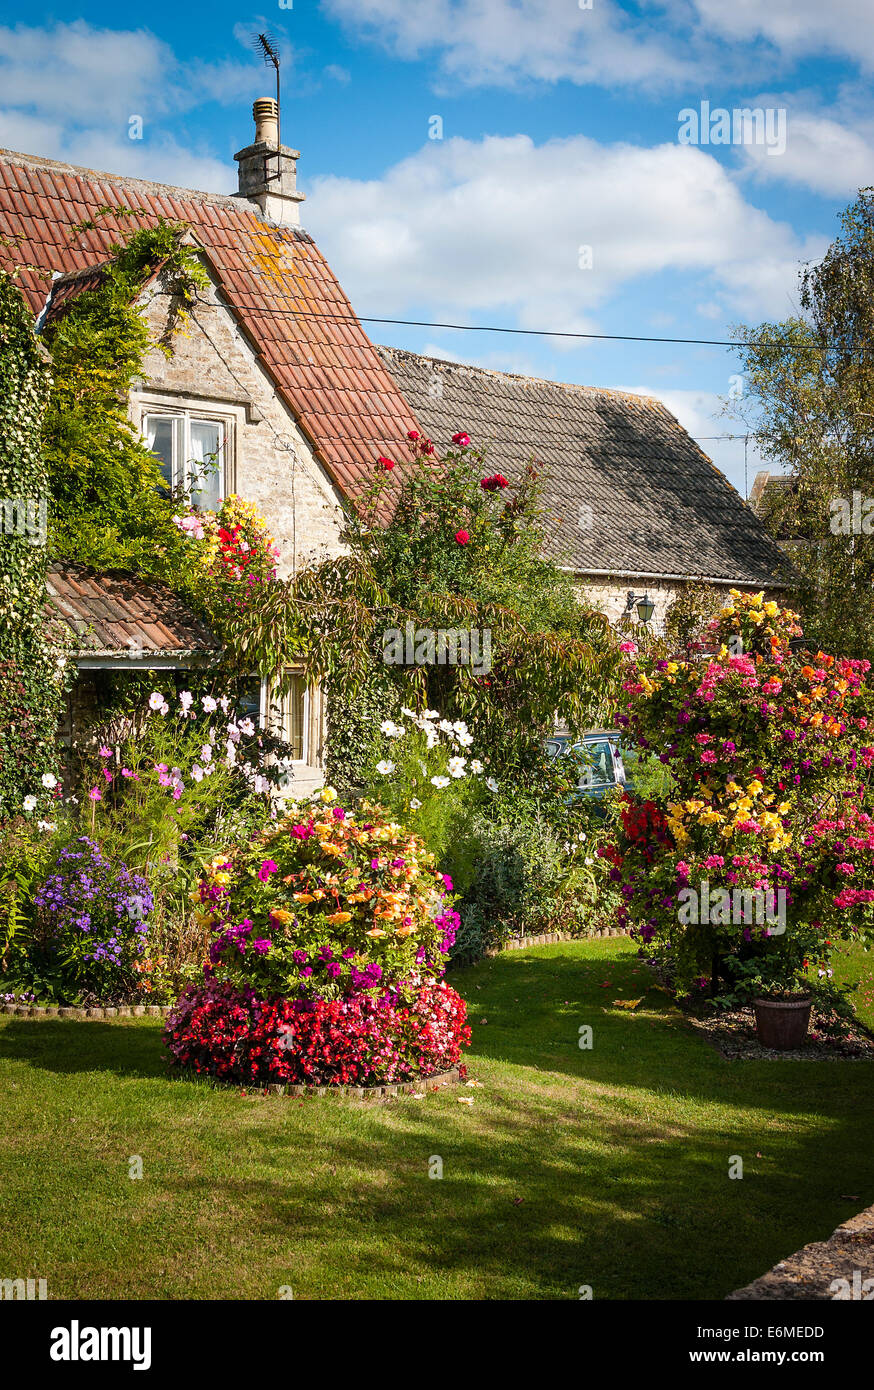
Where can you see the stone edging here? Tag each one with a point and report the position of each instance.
(398, 1088)
(97, 1011)
(520, 943)
(827, 1269)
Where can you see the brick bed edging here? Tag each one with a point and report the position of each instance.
(519, 943)
(398, 1088)
(96, 1011)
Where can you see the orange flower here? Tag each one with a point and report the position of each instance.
(337, 917)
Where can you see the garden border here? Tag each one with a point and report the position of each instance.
(391, 1088)
(520, 943)
(94, 1011)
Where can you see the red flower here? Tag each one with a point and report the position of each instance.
(387, 464)
(462, 537)
(426, 446)
(461, 439)
(492, 484)
(412, 434)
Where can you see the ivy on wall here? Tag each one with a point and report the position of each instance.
(31, 669)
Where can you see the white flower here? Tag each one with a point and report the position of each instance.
(209, 704)
(165, 708)
(589, 861)
(391, 729)
(261, 784)
(446, 726)
(197, 773)
(247, 727)
(231, 754)
(225, 704)
(465, 739)
(491, 784)
(431, 714)
(456, 767)
(185, 699)
(410, 714)
(29, 803)
(415, 804)
(233, 733)
(49, 781)
(156, 700)
(46, 825)
(431, 739)
(206, 752)
(385, 767)
(440, 781)
(476, 765)
(460, 727)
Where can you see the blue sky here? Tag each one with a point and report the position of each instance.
(560, 194)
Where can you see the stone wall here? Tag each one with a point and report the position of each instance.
(214, 370)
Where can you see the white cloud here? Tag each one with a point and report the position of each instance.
(158, 157)
(504, 41)
(796, 27)
(494, 228)
(829, 151)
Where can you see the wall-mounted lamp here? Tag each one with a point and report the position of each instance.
(645, 605)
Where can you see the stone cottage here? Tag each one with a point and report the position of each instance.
(276, 380)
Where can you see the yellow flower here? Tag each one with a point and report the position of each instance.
(328, 794)
(772, 609)
(755, 787)
(338, 917)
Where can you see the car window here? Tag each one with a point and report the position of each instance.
(597, 764)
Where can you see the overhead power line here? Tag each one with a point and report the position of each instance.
(526, 332)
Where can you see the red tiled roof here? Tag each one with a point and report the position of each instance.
(275, 279)
(120, 614)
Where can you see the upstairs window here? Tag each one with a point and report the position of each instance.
(192, 455)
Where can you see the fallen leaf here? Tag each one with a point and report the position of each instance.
(627, 1003)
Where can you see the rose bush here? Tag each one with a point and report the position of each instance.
(343, 920)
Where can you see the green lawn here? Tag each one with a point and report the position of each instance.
(606, 1167)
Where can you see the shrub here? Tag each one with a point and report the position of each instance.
(94, 917)
(358, 1039)
(770, 755)
(335, 926)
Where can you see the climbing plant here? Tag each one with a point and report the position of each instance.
(31, 669)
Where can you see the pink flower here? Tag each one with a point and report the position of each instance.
(461, 439)
(627, 647)
(267, 868)
(105, 752)
(708, 756)
(95, 794)
(462, 537)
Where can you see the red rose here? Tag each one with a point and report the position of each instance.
(412, 434)
(461, 439)
(387, 464)
(426, 446)
(462, 537)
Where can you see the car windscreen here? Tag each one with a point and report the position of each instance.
(596, 764)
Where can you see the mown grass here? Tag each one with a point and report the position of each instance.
(607, 1167)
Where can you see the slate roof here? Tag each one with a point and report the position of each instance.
(119, 614)
(659, 507)
(274, 278)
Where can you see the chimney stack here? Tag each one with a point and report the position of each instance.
(268, 170)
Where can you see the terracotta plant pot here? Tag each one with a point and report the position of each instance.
(782, 1023)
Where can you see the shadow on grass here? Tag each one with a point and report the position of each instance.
(606, 1167)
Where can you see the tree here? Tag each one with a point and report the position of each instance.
(811, 408)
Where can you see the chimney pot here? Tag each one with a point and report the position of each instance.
(266, 113)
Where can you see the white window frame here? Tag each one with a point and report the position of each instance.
(183, 416)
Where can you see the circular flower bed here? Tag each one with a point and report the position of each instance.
(331, 940)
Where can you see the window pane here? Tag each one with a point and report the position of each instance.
(599, 769)
(160, 433)
(294, 717)
(205, 465)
